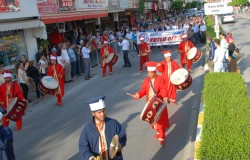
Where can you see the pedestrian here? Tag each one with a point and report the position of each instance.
(22, 79)
(96, 136)
(106, 50)
(66, 61)
(167, 67)
(144, 51)
(125, 49)
(57, 71)
(72, 57)
(155, 85)
(190, 33)
(42, 66)
(211, 54)
(39, 53)
(219, 55)
(86, 60)
(183, 48)
(6, 140)
(196, 32)
(134, 38)
(9, 90)
(233, 56)
(203, 29)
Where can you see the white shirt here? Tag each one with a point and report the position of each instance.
(21, 76)
(218, 59)
(85, 52)
(42, 62)
(125, 45)
(65, 55)
(203, 28)
(186, 26)
(129, 35)
(59, 61)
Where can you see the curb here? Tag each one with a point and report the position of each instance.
(199, 131)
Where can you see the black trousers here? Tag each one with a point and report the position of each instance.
(203, 37)
(25, 89)
(126, 58)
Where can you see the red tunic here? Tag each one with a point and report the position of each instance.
(110, 49)
(59, 74)
(181, 47)
(144, 48)
(167, 71)
(160, 89)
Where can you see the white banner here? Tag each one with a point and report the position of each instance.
(88, 5)
(162, 37)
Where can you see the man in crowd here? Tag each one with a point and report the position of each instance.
(106, 50)
(134, 38)
(57, 71)
(125, 49)
(183, 48)
(39, 54)
(154, 85)
(129, 38)
(96, 136)
(9, 90)
(211, 54)
(66, 61)
(203, 29)
(72, 57)
(144, 51)
(196, 32)
(219, 55)
(167, 67)
(86, 60)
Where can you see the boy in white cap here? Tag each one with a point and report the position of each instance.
(183, 48)
(96, 136)
(144, 51)
(167, 67)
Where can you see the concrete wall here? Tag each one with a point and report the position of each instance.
(31, 43)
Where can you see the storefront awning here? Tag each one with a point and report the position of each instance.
(25, 24)
(56, 18)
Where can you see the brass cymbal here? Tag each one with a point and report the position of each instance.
(113, 146)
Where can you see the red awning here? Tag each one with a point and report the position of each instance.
(64, 17)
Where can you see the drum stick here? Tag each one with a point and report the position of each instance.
(129, 94)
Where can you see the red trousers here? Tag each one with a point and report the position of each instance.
(18, 122)
(105, 68)
(143, 59)
(59, 98)
(188, 63)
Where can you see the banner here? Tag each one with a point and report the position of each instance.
(89, 5)
(50, 6)
(9, 6)
(67, 5)
(162, 37)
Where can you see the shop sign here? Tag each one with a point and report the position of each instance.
(67, 5)
(50, 6)
(9, 6)
(89, 5)
(162, 37)
(114, 4)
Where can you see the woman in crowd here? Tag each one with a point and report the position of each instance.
(42, 66)
(22, 79)
(33, 72)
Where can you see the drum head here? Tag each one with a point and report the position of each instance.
(191, 53)
(110, 57)
(11, 105)
(49, 82)
(179, 76)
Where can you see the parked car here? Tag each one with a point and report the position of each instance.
(228, 17)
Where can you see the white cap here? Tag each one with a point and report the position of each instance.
(53, 57)
(96, 103)
(184, 35)
(167, 55)
(7, 75)
(142, 38)
(151, 69)
(105, 42)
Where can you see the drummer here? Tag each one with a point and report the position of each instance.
(167, 67)
(96, 136)
(144, 51)
(9, 90)
(155, 85)
(57, 71)
(105, 51)
(183, 48)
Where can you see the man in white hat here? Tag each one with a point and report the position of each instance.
(167, 67)
(144, 51)
(105, 51)
(183, 48)
(96, 136)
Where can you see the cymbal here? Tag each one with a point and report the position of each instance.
(113, 146)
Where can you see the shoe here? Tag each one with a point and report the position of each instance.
(86, 78)
(130, 66)
(140, 71)
(19, 128)
(190, 71)
(90, 77)
(161, 142)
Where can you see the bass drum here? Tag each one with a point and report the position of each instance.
(181, 79)
(153, 110)
(112, 59)
(16, 109)
(48, 85)
(194, 54)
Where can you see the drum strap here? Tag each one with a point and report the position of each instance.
(151, 84)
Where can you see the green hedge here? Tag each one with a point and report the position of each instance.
(226, 127)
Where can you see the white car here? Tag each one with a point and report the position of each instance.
(229, 17)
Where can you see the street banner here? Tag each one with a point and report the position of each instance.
(50, 6)
(67, 5)
(90, 5)
(162, 37)
(9, 6)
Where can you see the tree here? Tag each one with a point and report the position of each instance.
(238, 2)
(177, 5)
(142, 7)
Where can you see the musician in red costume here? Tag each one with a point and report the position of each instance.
(167, 67)
(104, 38)
(158, 87)
(144, 51)
(183, 48)
(8, 91)
(105, 51)
(56, 70)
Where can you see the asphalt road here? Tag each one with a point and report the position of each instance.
(241, 34)
(52, 133)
